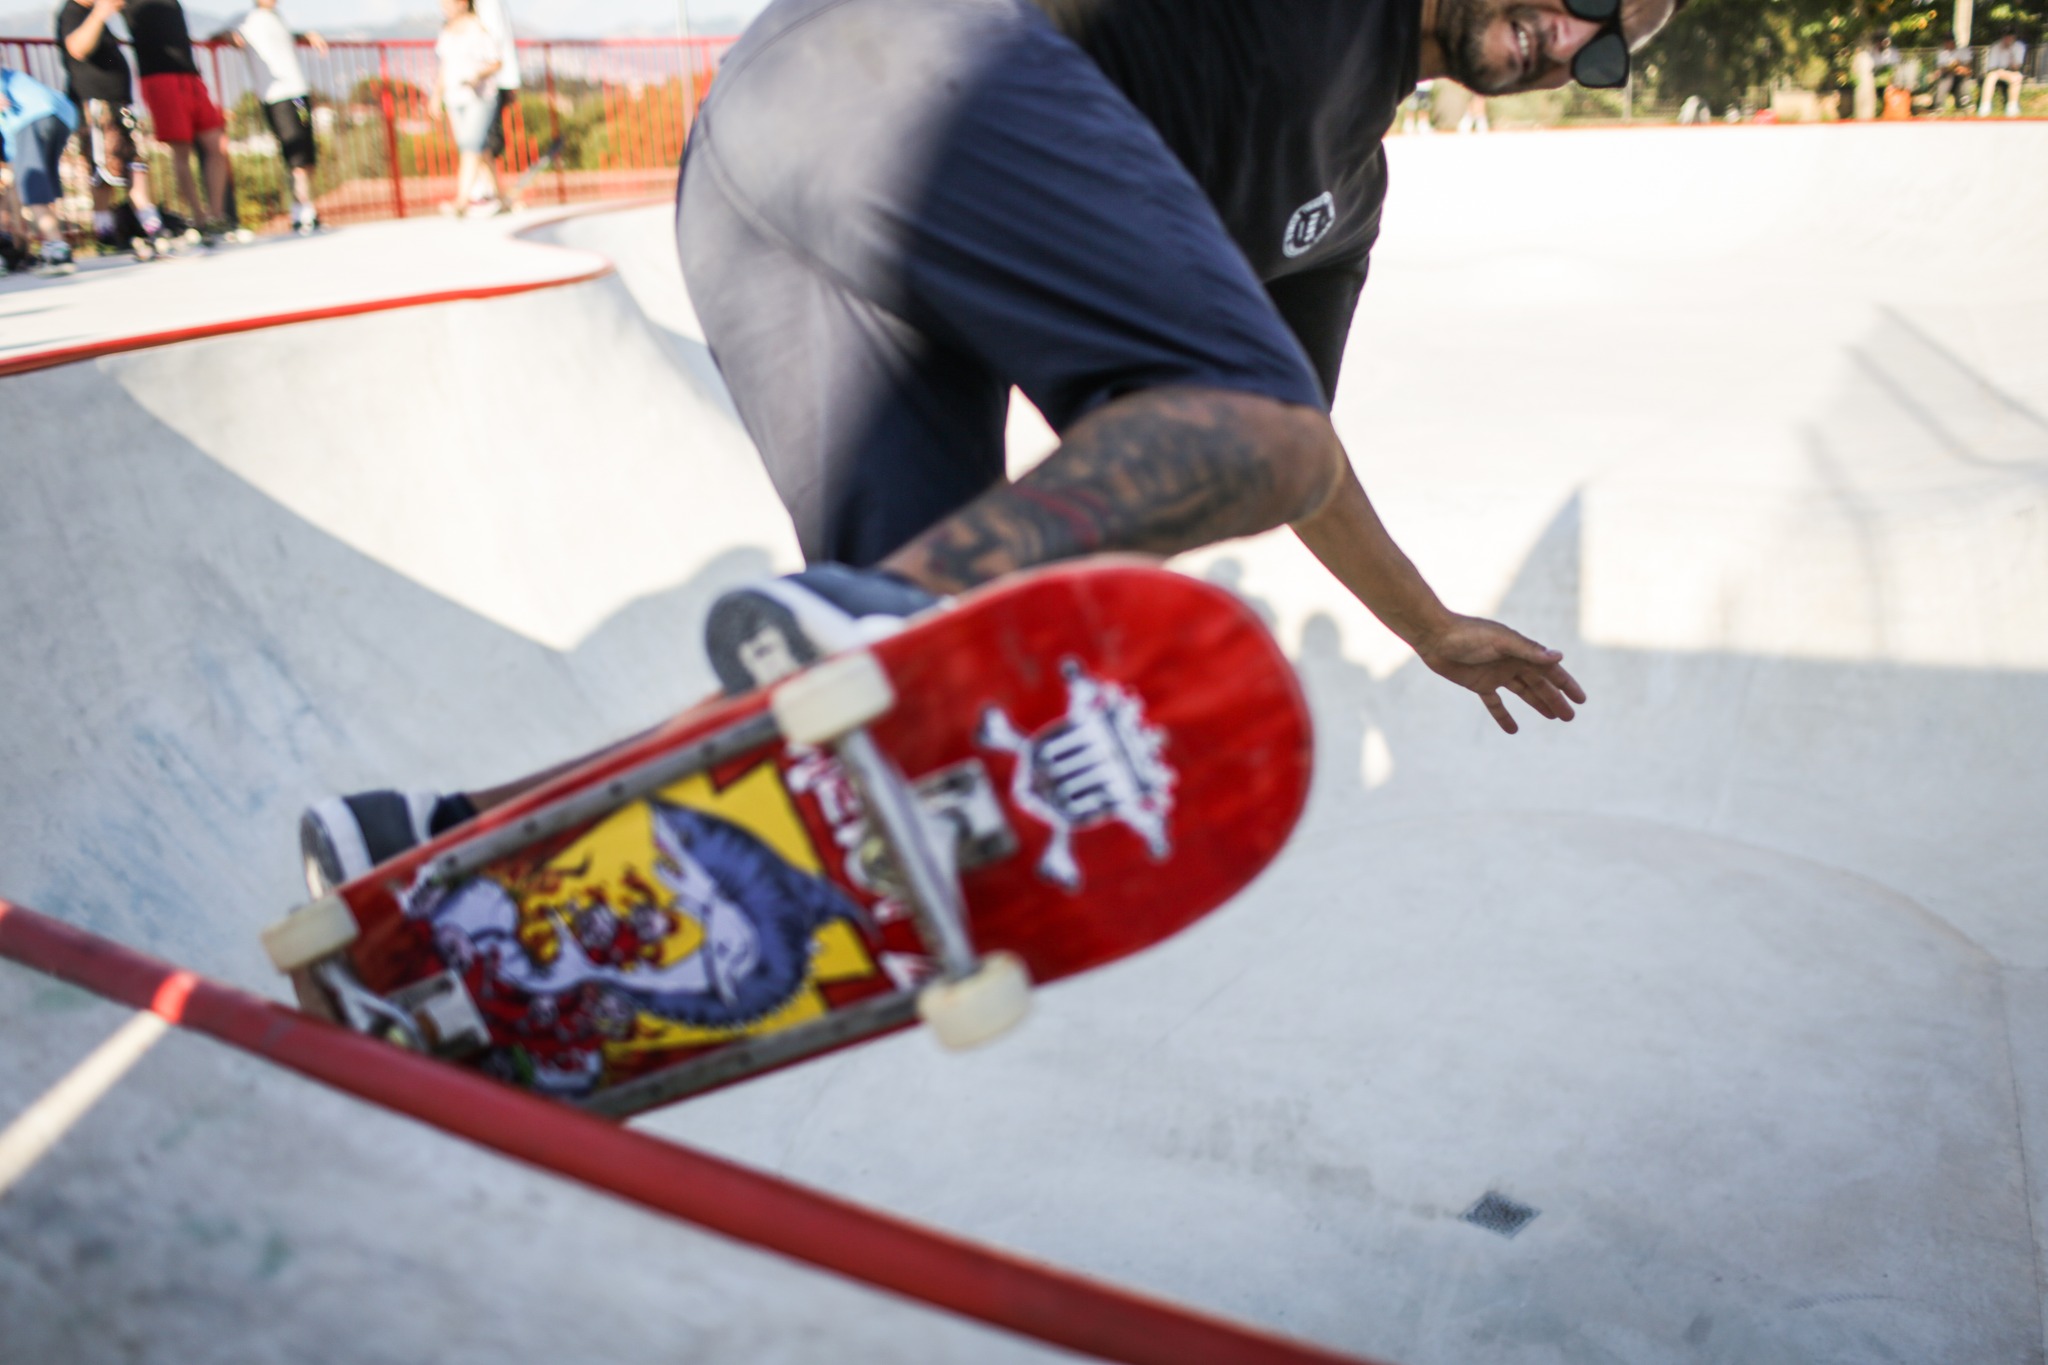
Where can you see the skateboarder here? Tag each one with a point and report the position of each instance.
(1154, 219)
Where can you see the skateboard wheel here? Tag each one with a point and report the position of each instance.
(313, 931)
(840, 694)
(976, 1008)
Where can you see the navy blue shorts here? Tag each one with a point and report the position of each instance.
(892, 210)
(35, 153)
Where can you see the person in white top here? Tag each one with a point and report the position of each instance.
(287, 98)
(498, 20)
(2004, 61)
(467, 89)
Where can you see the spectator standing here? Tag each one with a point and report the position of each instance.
(1907, 73)
(184, 114)
(287, 98)
(35, 123)
(1952, 77)
(1863, 66)
(498, 20)
(14, 234)
(467, 88)
(98, 82)
(1896, 98)
(2003, 62)
(1418, 111)
(1474, 120)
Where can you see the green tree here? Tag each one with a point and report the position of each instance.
(1721, 50)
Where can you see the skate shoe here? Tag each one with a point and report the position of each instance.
(342, 837)
(769, 630)
(54, 259)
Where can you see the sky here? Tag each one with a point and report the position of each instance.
(540, 18)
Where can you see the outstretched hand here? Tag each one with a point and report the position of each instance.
(1487, 657)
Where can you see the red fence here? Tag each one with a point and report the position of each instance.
(615, 113)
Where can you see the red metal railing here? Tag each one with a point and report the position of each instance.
(948, 1272)
(614, 112)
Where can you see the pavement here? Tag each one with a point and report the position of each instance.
(1738, 984)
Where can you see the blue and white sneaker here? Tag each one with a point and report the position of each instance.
(759, 634)
(343, 837)
(54, 258)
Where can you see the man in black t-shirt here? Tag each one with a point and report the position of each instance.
(98, 82)
(1152, 216)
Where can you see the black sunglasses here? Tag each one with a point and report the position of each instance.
(1602, 64)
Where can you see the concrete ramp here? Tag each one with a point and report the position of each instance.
(1732, 994)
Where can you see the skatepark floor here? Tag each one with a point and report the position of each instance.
(1736, 988)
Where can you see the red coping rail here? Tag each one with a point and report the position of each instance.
(31, 361)
(619, 109)
(947, 1272)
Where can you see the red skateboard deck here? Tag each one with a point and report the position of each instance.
(1122, 749)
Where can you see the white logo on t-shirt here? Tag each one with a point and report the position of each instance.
(1310, 224)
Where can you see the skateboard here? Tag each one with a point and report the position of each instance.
(1043, 776)
(547, 157)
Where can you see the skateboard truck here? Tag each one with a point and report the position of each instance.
(974, 998)
(435, 1015)
(926, 830)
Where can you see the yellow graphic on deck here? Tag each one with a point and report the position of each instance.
(612, 891)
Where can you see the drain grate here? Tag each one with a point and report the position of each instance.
(1497, 1213)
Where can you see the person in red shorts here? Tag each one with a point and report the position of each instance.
(181, 108)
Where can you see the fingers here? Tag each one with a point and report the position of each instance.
(1551, 661)
(1569, 684)
(1544, 701)
(1543, 696)
(1538, 692)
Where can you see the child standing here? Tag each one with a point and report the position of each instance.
(287, 98)
(36, 122)
(468, 90)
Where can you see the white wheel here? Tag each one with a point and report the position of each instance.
(313, 931)
(838, 695)
(971, 1011)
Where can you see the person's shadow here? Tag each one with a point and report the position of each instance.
(1228, 573)
(1352, 757)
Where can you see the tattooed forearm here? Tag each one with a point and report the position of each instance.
(1159, 472)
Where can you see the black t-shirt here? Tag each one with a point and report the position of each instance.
(1278, 108)
(103, 75)
(163, 46)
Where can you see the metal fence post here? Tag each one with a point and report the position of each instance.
(547, 61)
(388, 102)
